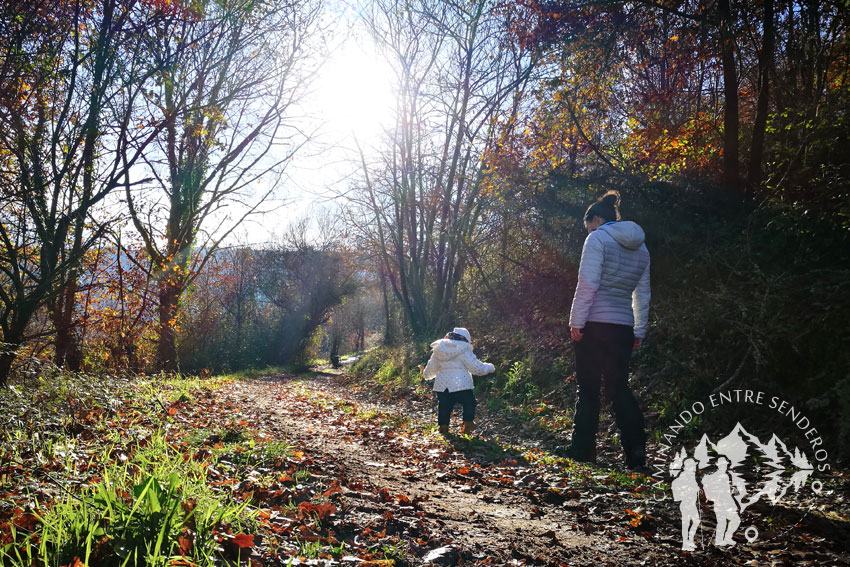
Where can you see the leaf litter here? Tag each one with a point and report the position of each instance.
(331, 476)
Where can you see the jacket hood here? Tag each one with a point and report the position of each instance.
(447, 349)
(627, 233)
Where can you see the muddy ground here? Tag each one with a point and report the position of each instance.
(502, 498)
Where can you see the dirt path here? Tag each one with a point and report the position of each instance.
(486, 503)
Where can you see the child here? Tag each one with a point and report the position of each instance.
(452, 363)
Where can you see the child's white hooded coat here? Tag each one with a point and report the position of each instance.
(452, 364)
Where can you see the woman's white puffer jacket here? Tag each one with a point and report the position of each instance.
(613, 278)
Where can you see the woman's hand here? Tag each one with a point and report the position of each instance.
(575, 334)
(637, 344)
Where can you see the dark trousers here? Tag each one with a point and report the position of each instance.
(602, 360)
(446, 402)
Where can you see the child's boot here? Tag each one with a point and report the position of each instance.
(444, 430)
(468, 427)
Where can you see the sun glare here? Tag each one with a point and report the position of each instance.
(355, 92)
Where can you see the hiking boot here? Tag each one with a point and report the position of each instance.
(640, 469)
(636, 459)
(444, 429)
(468, 427)
(580, 456)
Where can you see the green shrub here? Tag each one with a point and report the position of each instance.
(394, 369)
(743, 297)
(368, 365)
(519, 385)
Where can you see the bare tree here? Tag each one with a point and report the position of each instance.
(425, 195)
(69, 81)
(220, 161)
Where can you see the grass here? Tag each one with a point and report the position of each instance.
(589, 477)
(253, 373)
(134, 513)
(343, 406)
(122, 480)
(394, 369)
(486, 448)
(183, 475)
(394, 552)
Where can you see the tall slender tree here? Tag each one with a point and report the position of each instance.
(765, 69)
(425, 195)
(232, 93)
(70, 78)
(731, 114)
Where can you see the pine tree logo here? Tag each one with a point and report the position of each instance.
(733, 474)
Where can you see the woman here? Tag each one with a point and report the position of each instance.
(607, 321)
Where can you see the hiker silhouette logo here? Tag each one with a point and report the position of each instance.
(732, 474)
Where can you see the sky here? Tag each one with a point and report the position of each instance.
(351, 94)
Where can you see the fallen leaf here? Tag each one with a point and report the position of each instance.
(243, 540)
(26, 521)
(325, 510)
(185, 544)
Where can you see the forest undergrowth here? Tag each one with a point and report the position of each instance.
(273, 468)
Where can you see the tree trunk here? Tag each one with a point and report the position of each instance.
(14, 335)
(169, 297)
(388, 327)
(67, 344)
(762, 106)
(334, 355)
(239, 324)
(361, 332)
(68, 353)
(731, 174)
(7, 357)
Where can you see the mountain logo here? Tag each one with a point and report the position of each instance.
(732, 474)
